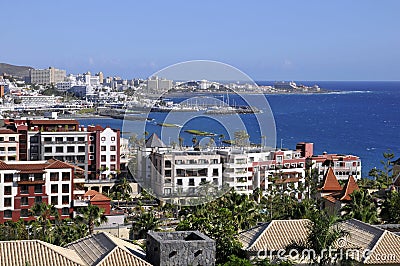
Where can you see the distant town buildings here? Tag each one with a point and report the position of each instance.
(47, 76)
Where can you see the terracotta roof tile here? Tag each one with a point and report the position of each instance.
(330, 182)
(95, 196)
(7, 131)
(349, 188)
(99, 197)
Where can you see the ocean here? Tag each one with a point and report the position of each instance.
(363, 119)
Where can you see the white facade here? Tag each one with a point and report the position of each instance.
(108, 152)
(47, 76)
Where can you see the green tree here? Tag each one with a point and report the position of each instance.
(44, 213)
(93, 216)
(68, 231)
(143, 223)
(323, 233)
(391, 208)
(361, 207)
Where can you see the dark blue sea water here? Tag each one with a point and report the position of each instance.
(362, 119)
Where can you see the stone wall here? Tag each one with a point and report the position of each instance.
(180, 248)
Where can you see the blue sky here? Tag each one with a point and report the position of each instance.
(268, 40)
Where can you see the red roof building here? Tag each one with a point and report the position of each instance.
(27, 183)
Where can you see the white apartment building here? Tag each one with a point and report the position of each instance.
(282, 171)
(36, 100)
(47, 76)
(342, 165)
(176, 174)
(9, 145)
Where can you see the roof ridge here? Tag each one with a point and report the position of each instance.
(262, 233)
(107, 255)
(374, 247)
(331, 177)
(55, 248)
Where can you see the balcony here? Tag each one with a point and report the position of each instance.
(80, 203)
(79, 180)
(31, 181)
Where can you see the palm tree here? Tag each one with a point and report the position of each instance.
(323, 234)
(361, 207)
(93, 216)
(43, 213)
(143, 223)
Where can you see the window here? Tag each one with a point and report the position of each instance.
(7, 214)
(167, 181)
(7, 202)
(70, 149)
(112, 167)
(168, 173)
(66, 176)
(191, 181)
(180, 172)
(103, 148)
(1, 138)
(38, 199)
(215, 181)
(54, 188)
(215, 172)
(103, 158)
(112, 158)
(47, 139)
(12, 148)
(2, 149)
(91, 157)
(179, 182)
(11, 139)
(91, 148)
(8, 177)
(24, 213)
(70, 138)
(65, 211)
(112, 138)
(91, 138)
(65, 199)
(103, 138)
(59, 139)
(167, 191)
(103, 167)
(54, 176)
(65, 188)
(24, 189)
(60, 149)
(112, 148)
(38, 189)
(81, 138)
(54, 200)
(81, 149)
(24, 201)
(167, 164)
(48, 149)
(34, 139)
